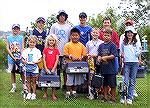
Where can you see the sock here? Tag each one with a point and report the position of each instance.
(14, 85)
(68, 92)
(73, 92)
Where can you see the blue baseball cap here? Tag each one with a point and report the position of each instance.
(82, 15)
(40, 19)
(16, 25)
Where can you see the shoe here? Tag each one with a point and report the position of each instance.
(135, 93)
(91, 97)
(33, 96)
(13, 90)
(122, 101)
(74, 95)
(129, 101)
(28, 96)
(67, 95)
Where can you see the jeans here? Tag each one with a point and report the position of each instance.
(130, 71)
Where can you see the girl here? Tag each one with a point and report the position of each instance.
(130, 51)
(50, 58)
(31, 57)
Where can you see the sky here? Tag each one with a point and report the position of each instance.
(24, 12)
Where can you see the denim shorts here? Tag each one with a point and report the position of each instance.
(30, 74)
(109, 80)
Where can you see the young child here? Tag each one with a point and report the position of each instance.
(74, 51)
(130, 51)
(106, 56)
(50, 58)
(31, 56)
(40, 33)
(15, 45)
(92, 52)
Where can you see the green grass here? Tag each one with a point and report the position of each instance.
(14, 100)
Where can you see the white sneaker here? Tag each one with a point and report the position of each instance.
(122, 101)
(129, 101)
(13, 90)
(135, 93)
(28, 96)
(33, 96)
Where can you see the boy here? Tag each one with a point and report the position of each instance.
(62, 30)
(106, 56)
(41, 35)
(75, 51)
(15, 45)
(85, 30)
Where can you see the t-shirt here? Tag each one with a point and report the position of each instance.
(75, 49)
(50, 56)
(31, 55)
(114, 37)
(15, 46)
(92, 46)
(41, 39)
(106, 49)
(85, 34)
(62, 32)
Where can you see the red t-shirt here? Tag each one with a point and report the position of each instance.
(114, 37)
(50, 56)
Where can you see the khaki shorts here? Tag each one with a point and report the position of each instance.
(41, 64)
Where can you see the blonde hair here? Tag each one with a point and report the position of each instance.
(32, 37)
(49, 37)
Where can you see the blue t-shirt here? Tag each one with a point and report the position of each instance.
(85, 34)
(106, 49)
(41, 39)
(15, 46)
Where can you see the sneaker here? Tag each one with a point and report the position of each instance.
(33, 96)
(91, 97)
(67, 95)
(122, 101)
(129, 101)
(28, 96)
(135, 93)
(74, 95)
(13, 90)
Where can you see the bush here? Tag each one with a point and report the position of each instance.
(3, 54)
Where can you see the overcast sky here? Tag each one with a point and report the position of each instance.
(26, 11)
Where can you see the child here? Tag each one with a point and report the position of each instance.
(92, 52)
(50, 58)
(15, 45)
(31, 56)
(40, 33)
(106, 56)
(130, 51)
(75, 51)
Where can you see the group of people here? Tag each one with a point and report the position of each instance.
(45, 53)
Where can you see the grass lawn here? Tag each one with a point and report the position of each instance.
(14, 100)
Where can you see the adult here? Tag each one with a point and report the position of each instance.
(85, 30)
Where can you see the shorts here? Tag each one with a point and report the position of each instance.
(74, 79)
(30, 74)
(109, 80)
(12, 68)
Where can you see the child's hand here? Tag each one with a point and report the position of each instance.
(46, 71)
(122, 55)
(99, 58)
(53, 71)
(104, 58)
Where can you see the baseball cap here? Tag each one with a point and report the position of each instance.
(62, 12)
(15, 25)
(129, 21)
(130, 28)
(40, 19)
(82, 15)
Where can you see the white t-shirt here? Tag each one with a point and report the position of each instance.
(92, 46)
(32, 55)
(62, 32)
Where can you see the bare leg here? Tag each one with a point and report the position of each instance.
(54, 98)
(34, 84)
(13, 77)
(45, 93)
(29, 84)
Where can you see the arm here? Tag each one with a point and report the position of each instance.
(9, 52)
(55, 65)
(45, 67)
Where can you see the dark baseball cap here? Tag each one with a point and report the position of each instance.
(82, 15)
(41, 19)
(16, 25)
